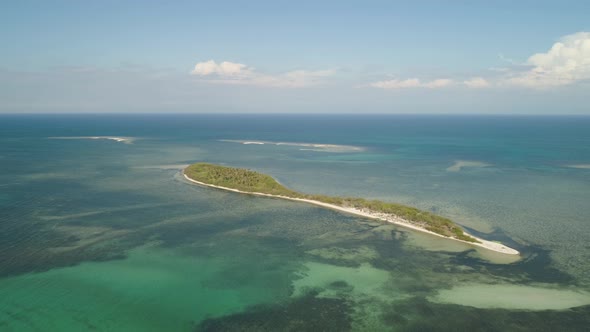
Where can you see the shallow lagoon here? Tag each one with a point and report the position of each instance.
(100, 234)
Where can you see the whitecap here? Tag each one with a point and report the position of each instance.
(126, 140)
(318, 147)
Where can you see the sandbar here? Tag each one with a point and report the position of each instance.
(579, 166)
(461, 164)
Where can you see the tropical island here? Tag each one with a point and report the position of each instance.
(246, 181)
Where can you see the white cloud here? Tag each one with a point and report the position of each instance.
(567, 62)
(292, 79)
(240, 74)
(225, 68)
(397, 84)
(477, 83)
(411, 83)
(438, 83)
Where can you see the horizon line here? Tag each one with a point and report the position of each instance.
(295, 113)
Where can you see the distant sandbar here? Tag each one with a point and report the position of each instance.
(461, 164)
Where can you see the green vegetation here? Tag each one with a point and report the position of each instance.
(237, 178)
(251, 181)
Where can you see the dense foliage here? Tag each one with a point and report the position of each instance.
(251, 181)
(238, 178)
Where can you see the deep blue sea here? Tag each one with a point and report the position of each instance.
(99, 231)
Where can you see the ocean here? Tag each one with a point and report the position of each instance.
(99, 230)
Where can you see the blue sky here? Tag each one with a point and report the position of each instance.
(498, 57)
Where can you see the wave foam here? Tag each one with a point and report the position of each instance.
(126, 140)
(319, 147)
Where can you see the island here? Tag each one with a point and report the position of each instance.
(250, 182)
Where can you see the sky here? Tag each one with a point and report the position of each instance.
(411, 57)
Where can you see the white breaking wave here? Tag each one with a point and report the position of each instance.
(319, 147)
(126, 140)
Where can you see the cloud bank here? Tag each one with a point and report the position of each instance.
(239, 74)
(412, 83)
(565, 63)
(476, 82)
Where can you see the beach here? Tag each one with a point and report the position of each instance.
(489, 245)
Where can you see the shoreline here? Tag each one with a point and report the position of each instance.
(493, 246)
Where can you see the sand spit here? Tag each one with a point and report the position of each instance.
(494, 246)
(579, 166)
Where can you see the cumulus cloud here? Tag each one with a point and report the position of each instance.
(477, 83)
(397, 84)
(411, 83)
(225, 68)
(438, 83)
(292, 79)
(240, 74)
(567, 62)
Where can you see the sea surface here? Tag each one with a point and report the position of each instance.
(100, 232)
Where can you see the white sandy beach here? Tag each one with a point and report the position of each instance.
(494, 246)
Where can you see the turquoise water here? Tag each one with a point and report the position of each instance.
(97, 234)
